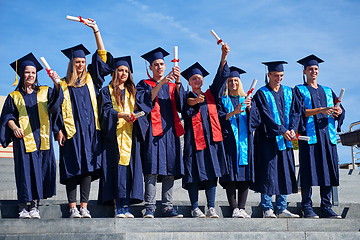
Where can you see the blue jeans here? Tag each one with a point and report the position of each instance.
(210, 191)
(280, 202)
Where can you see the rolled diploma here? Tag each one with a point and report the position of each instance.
(139, 114)
(340, 97)
(304, 138)
(47, 66)
(252, 87)
(216, 36)
(176, 55)
(77, 19)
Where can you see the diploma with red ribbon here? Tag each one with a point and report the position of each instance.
(79, 19)
(252, 88)
(48, 69)
(338, 100)
(137, 115)
(302, 138)
(176, 59)
(219, 40)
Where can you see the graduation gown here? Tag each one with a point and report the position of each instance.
(35, 172)
(274, 169)
(238, 172)
(160, 155)
(319, 161)
(117, 178)
(82, 154)
(207, 164)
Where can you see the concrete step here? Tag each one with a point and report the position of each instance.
(187, 228)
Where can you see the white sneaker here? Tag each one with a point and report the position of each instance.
(128, 215)
(269, 214)
(236, 213)
(243, 214)
(120, 215)
(197, 213)
(211, 213)
(287, 214)
(34, 213)
(74, 213)
(24, 214)
(85, 213)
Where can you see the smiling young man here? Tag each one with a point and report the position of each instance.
(318, 157)
(161, 98)
(274, 158)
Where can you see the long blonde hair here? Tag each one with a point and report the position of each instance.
(72, 77)
(240, 91)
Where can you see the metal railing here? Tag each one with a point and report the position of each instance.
(354, 149)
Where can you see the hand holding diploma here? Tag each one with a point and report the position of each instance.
(80, 19)
(219, 40)
(339, 99)
(135, 116)
(176, 59)
(53, 75)
(252, 88)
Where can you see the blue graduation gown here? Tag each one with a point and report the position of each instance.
(238, 172)
(35, 172)
(117, 178)
(274, 169)
(207, 164)
(318, 162)
(160, 155)
(82, 154)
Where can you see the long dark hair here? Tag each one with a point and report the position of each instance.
(129, 85)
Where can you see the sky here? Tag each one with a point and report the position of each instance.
(256, 31)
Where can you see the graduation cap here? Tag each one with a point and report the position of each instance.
(196, 68)
(155, 54)
(27, 60)
(310, 61)
(123, 61)
(235, 72)
(78, 51)
(275, 66)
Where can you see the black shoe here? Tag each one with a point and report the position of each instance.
(327, 212)
(171, 213)
(309, 213)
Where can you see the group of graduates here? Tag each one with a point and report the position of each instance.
(129, 136)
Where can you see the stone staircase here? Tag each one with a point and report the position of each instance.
(54, 223)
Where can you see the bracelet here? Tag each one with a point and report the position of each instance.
(177, 82)
(96, 31)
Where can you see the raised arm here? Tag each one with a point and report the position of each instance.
(98, 38)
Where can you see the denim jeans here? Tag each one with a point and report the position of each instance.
(280, 202)
(210, 192)
(150, 191)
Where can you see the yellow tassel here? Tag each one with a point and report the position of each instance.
(16, 75)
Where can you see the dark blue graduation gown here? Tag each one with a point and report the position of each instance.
(82, 154)
(207, 164)
(117, 178)
(318, 162)
(160, 155)
(35, 172)
(238, 172)
(274, 169)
